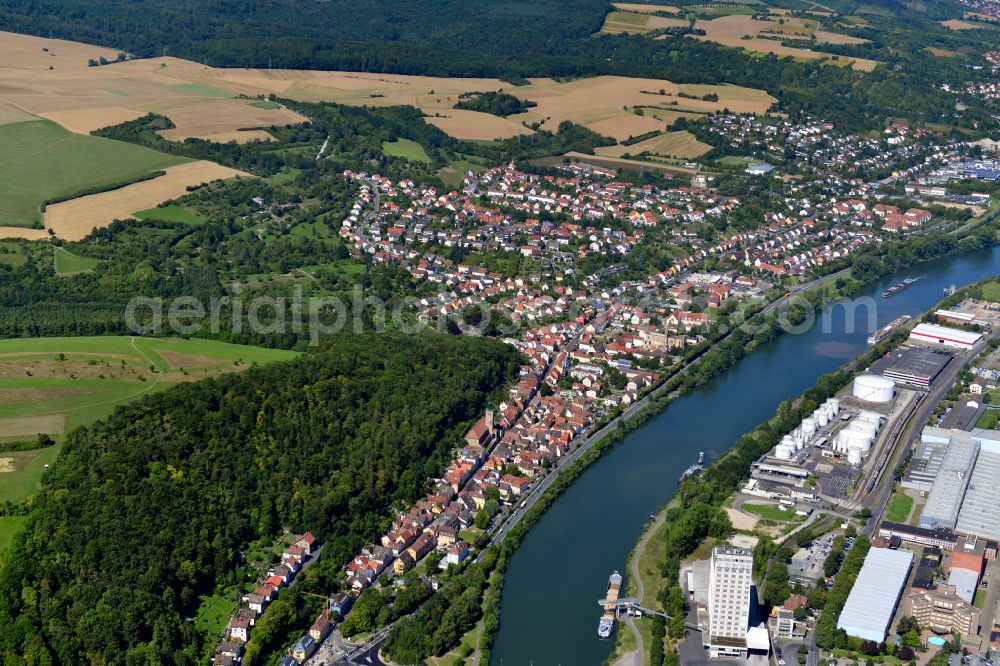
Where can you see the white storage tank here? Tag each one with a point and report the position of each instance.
(854, 456)
(834, 405)
(808, 427)
(864, 426)
(859, 438)
(788, 441)
(782, 452)
(822, 417)
(874, 417)
(874, 388)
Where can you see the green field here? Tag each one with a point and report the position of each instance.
(12, 254)
(989, 419)
(991, 291)
(202, 90)
(26, 476)
(8, 526)
(265, 104)
(213, 613)
(772, 512)
(55, 384)
(407, 149)
(41, 160)
(68, 263)
(899, 508)
(172, 213)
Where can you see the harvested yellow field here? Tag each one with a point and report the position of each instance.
(199, 118)
(83, 98)
(74, 219)
(597, 102)
(24, 232)
(463, 124)
(667, 115)
(837, 38)
(649, 9)
(85, 121)
(11, 114)
(37, 53)
(941, 53)
(206, 102)
(245, 136)
(669, 144)
(742, 31)
(955, 24)
(637, 23)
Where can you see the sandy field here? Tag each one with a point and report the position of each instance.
(74, 219)
(597, 102)
(204, 101)
(464, 124)
(24, 232)
(740, 520)
(636, 23)
(670, 144)
(83, 98)
(633, 7)
(29, 426)
(11, 114)
(731, 30)
(955, 24)
(244, 136)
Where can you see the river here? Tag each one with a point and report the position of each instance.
(549, 610)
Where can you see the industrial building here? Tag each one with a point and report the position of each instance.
(933, 334)
(980, 512)
(876, 593)
(729, 584)
(916, 366)
(942, 539)
(925, 463)
(952, 482)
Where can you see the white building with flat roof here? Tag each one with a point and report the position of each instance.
(876, 593)
(729, 584)
(946, 336)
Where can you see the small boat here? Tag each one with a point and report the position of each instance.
(896, 288)
(695, 468)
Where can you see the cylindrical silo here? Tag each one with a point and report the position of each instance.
(808, 428)
(834, 404)
(782, 452)
(822, 417)
(873, 388)
(854, 456)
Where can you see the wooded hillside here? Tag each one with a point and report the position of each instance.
(150, 508)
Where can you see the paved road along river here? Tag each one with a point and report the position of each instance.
(549, 610)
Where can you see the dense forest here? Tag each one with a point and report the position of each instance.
(497, 103)
(510, 40)
(150, 508)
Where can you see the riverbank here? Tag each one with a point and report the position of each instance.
(606, 508)
(646, 558)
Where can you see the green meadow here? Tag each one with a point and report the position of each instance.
(41, 161)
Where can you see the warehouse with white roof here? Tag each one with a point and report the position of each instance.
(875, 595)
(945, 336)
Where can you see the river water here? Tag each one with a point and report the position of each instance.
(549, 610)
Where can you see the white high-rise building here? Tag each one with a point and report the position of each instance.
(729, 602)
